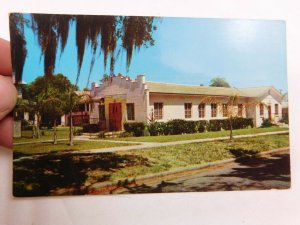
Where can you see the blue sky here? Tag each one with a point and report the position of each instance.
(246, 53)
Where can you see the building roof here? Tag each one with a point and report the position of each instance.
(258, 91)
(156, 87)
(168, 88)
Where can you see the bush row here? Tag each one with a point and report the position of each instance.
(179, 126)
(91, 128)
(136, 128)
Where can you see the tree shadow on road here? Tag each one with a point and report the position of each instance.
(275, 167)
(250, 173)
(253, 172)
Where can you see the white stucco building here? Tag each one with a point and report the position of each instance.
(119, 99)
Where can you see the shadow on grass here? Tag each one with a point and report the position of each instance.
(248, 172)
(67, 174)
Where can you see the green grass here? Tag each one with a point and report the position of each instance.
(170, 138)
(41, 148)
(73, 174)
(177, 156)
(62, 133)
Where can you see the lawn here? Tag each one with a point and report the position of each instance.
(73, 174)
(177, 156)
(62, 133)
(42, 148)
(182, 137)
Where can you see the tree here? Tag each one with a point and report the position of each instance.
(110, 34)
(230, 109)
(50, 97)
(18, 44)
(219, 82)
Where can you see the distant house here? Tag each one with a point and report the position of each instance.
(81, 113)
(119, 99)
(285, 106)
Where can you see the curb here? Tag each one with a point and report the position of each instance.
(105, 187)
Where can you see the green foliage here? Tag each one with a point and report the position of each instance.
(202, 125)
(158, 128)
(176, 126)
(91, 128)
(285, 119)
(215, 125)
(237, 123)
(25, 125)
(267, 123)
(240, 123)
(126, 134)
(179, 126)
(136, 128)
(219, 82)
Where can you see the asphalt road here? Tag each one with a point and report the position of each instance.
(268, 172)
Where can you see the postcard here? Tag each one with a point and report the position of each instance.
(136, 104)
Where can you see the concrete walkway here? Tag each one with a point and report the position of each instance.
(143, 145)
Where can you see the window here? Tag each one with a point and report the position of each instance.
(261, 109)
(213, 110)
(158, 110)
(101, 112)
(188, 110)
(81, 108)
(225, 110)
(201, 110)
(276, 109)
(130, 111)
(240, 110)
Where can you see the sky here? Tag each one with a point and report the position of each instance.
(247, 53)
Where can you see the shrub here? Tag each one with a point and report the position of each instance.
(177, 126)
(158, 128)
(137, 128)
(240, 123)
(126, 134)
(267, 123)
(202, 125)
(91, 128)
(215, 125)
(25, 125)
(285, 120)
(101, 134)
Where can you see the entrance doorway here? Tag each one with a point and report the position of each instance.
(115, 116)
(269, 112)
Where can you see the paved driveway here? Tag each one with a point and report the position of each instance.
(267, 172)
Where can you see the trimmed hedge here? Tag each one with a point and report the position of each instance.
(136, 128)
(237, 123)
(91, 128)
(179, 126)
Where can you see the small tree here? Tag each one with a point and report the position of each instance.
(219, 82)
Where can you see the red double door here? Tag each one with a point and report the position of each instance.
(115, 116)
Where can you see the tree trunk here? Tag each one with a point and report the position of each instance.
(55, 133)
(33, 131)
(71, 142)
(38, 126)
(230, 124)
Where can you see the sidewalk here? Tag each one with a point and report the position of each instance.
(143, 145)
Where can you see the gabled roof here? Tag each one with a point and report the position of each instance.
(155, 87)
(259, 91)
(167, 88)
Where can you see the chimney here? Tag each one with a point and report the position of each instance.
(141, 79)
(94, 85)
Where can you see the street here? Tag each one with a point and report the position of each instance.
(268, 172)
